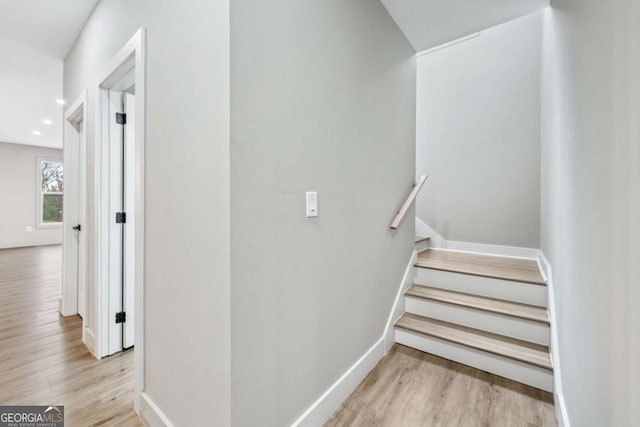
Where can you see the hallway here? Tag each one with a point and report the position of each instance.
(42, 358)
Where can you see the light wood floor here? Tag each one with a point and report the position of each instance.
(410, 388)
(42, 358)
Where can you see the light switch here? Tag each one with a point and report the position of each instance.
(312, 204)
(29, 228)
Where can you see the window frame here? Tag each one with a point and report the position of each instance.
(40, 194)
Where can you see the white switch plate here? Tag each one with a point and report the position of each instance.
(29, 228)
(312, 204)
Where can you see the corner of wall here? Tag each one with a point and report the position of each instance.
(89, 340)
(422, 229)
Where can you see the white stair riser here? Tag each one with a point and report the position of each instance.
(422, 246)
(526, 293)
(500, 324)
(499, 365)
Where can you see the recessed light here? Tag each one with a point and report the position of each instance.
(47, 122)
(36, 132)
(60, 101)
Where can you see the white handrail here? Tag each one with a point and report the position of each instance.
(412, 197)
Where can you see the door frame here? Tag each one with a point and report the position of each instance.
(129, 61)
(73, 115)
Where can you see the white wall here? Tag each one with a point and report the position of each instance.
(478, 136)
(323, 98)
(19, 193)
(30, 83)
(590, 203)
(187, 365)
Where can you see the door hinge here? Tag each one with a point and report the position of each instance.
(121, 118)
(121, 317)
(121, 217)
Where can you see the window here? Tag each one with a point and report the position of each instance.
(51, 187)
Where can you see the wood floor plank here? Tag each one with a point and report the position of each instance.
(514, 309)
(523, 351)
(515, 269)
(409, 388)
(42, 358)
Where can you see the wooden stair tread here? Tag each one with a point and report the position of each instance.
(522, 311)
(515, 269)
(522, 351)
(422, 239)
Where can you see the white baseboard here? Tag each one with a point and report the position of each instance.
(151, 415)
(439, 242)
(323, 408)
(398, 304)
(561, 409)
(545, 268)
(327, 404)
(89, 340)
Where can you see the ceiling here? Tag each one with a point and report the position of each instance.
(430, 23)
(30, 84)
(49, 26)
(35, 36)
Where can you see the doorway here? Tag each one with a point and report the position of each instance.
(74, 285)
(119, 200)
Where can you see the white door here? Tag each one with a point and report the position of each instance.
(128, 291)
(82, 214)
(121, 232)
(116, 226)
(74, 283)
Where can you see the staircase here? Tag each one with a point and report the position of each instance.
(488, 312)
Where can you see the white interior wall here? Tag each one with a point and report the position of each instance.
(19, 192)
(187, 331)
(478, 136)
(323, 99)
(590, 202)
